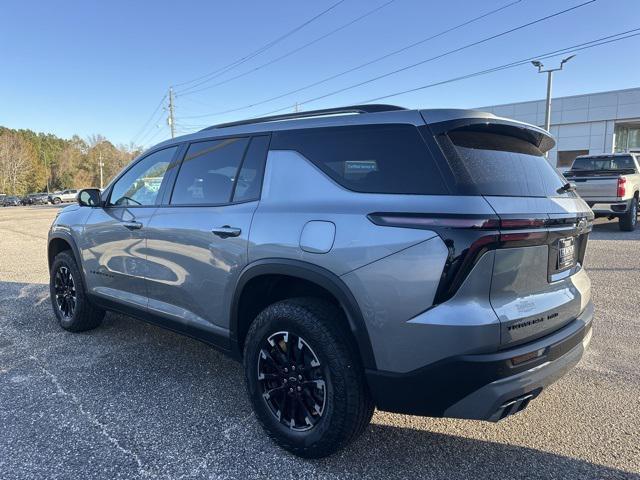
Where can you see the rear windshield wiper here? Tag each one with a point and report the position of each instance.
(567, 187)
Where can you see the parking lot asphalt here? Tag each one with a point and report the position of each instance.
(130, 400)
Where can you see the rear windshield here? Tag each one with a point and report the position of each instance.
(488, 163)
(368, 158)
(604, 163)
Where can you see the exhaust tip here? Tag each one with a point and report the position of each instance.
(514, 405)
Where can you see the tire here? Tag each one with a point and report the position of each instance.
(56, 201)
(343, 406)
(629, 220)
(73, 309)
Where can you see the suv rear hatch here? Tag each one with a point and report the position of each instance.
(540, 228)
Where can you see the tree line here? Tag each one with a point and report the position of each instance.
(40, 162)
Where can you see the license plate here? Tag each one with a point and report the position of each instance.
(566, 252)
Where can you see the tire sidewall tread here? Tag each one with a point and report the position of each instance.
(349, 406)
(86, 316)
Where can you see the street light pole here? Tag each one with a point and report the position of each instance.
(549, 72)
(547, 112)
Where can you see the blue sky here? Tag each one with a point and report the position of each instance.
(84, 67)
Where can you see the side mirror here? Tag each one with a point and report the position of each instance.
(89, 197)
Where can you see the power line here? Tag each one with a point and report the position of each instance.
(436, 57)
(146, 124)
(362, 65)
(171, 120)
(295, 50)
(216, 73)
(525, 61)
(152, 138)
(157, 122)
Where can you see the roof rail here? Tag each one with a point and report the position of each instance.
(372, 108)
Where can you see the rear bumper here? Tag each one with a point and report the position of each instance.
(487, 386)
(609, 207)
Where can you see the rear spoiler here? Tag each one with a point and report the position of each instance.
(441, 124)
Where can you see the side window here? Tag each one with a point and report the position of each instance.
(208, 172)
(250, 177)
(141, 184)
(389, 158)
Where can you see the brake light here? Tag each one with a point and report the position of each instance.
(515, 223)
(426, 221)
(621, 187)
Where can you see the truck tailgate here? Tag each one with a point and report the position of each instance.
(594, 186)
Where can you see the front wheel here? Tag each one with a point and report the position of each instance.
(69, 299)
(304, 377)
(629, 220)
(56, 201)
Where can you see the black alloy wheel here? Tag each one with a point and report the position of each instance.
(65, 292)
(292, 381)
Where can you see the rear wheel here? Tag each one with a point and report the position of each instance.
(73, 309)
(629, 220)
(304, 377)
(56, 201)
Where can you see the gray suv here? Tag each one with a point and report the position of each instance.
(426, 262)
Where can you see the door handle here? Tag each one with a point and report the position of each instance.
(226, 231)
(131, 225)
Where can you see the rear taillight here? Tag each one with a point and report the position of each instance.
(461, 222)
(421, 221)
(621, 187)
(468, 237)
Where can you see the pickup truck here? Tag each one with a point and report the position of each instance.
(609, 184)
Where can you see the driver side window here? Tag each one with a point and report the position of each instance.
(141, 184)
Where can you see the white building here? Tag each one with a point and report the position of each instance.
(596, 123)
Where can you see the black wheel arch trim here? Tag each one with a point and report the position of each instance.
(68, 238)
(312, 273)
(72, 243)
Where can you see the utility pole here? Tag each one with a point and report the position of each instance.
(549, 72)
(171, 119)
(295, 108)
(46, 167)
(100, 164)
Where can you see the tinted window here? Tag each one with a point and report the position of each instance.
(369, 158)
(250, 176)
(208, 172)
(496, 164)
(604, 163)
(141, 183)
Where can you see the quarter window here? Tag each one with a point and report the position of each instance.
(369, 158)
(140, 185)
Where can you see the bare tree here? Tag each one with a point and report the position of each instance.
(17, 162)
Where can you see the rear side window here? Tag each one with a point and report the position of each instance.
(489, 163)
(208, 172)
(250, 177)
(368, 158)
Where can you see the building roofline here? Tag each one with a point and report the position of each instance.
(560, 98)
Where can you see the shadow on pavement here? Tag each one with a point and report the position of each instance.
(410, 453)
(180, 408)
(604, 229)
